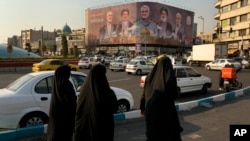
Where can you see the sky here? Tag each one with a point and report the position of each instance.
(17, 15)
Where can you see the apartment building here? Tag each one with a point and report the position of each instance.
(233, 27)
(37, 38)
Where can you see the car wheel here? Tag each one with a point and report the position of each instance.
(138, 72)
(208, 67)
(204, 89)
(123, 106)
(33, 119)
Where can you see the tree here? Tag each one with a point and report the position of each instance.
(76, 53)
(28, 47)
(44, 48)
(64, 46)
(9, 49)
(54, 49)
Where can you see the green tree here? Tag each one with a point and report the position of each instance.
(54, 49)
(64, 46)
(9, 49)
(76, 53)
(44, 49)
(28, 48)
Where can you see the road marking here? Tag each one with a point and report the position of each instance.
(119, 80)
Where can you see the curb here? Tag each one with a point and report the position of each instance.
(22, 133)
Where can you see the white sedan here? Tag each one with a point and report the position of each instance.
(139, 67)
(118, 64)
(188, 80)
(218, 64)
(26, 101)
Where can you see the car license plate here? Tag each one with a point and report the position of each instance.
(226, 82)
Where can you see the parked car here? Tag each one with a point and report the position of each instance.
(26, 101)
(87, 62)
(188, 80)
(139, 67)
(118, 64)
(107, 60)
(245, 62)
(52, 64)
(218, 64)
(175, 60)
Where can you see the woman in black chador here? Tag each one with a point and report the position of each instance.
(157, 103)
(95, 108)
(62, 107)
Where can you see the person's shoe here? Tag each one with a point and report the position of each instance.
(221, 89)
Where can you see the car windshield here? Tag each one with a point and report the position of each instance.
(231, 61)
(43, 62)
(19, 82)
(84, 59)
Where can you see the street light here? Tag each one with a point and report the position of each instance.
(202, 26)
(145, 34)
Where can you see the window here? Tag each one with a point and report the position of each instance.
(142, 63)
(243, 3)
(78, 80)
(234, 6)
(224, 9)
(243, 18)
(233, 21)
(44, 86)
(192, 73)
(242, 32)
(181, 73)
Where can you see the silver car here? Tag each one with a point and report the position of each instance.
(218, 64)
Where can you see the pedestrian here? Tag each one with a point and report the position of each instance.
(95, 108)
(157, 103)
(62, 106)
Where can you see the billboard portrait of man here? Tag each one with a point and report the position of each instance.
(109, 29)
(178, 30)
(164, 28)
(125, 26)
(145, 21)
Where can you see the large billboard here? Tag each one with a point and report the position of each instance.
(140, 22)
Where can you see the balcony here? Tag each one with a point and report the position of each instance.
(217, 16)
(217, 4)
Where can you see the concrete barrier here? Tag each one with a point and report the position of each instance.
(22, 133)
(15, 69)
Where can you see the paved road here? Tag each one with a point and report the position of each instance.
(131, 83)
(200, 124)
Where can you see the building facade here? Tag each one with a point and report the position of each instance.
(233, 27)
(139, 27)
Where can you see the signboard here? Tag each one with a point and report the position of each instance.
(136, 22)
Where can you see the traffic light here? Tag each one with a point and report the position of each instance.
(231, 30)
(221, 30)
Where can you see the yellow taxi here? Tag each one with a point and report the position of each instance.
(52, 64)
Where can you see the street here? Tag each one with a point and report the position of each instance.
(199, 124)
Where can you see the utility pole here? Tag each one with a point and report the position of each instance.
(202, 27)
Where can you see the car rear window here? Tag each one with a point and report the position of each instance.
(19, 82)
